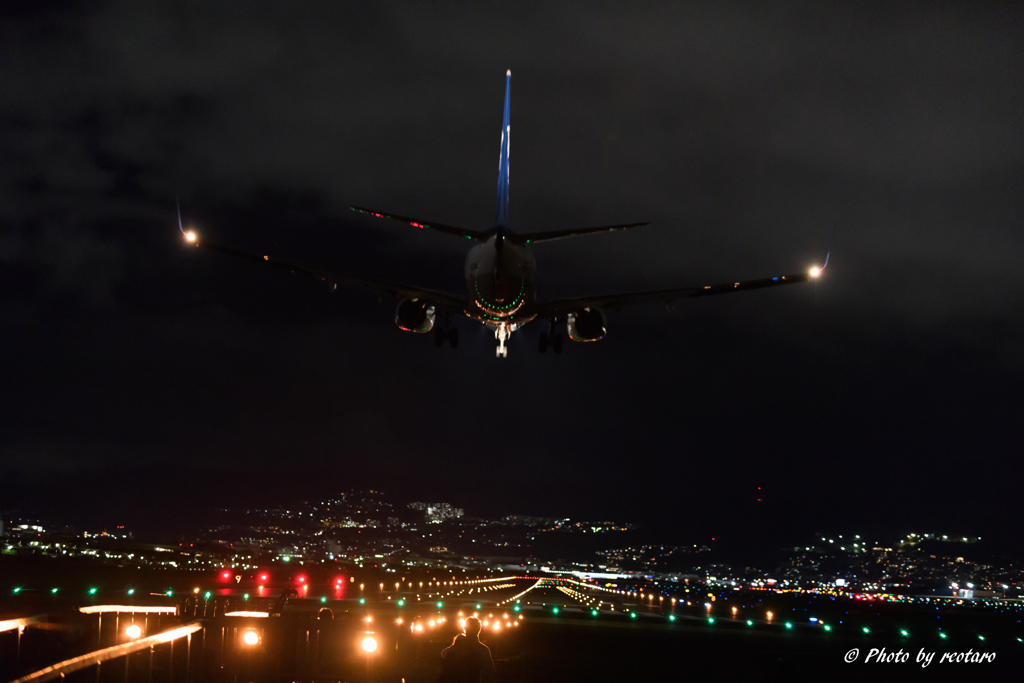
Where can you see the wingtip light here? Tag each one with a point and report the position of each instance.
(191, 237)
(815, 271)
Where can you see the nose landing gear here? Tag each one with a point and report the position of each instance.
(501, 334)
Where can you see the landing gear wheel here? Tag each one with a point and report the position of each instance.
(556, 342)
(453, 337)
(542, 343)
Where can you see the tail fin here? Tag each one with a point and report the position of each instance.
(501, 215)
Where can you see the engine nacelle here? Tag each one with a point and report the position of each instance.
(414, 316)
(586, 325)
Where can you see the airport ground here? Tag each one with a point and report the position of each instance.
(565, 632)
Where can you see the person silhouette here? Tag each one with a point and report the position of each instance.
(467, 658)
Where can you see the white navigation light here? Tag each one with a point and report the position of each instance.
(191, 237)
(369, 644)
(815, 271)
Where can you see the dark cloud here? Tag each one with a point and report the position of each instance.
(747, 135)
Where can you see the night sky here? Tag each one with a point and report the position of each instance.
(144, 381)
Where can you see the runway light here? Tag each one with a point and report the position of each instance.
(134, 631)
(401, 603)
(749, 622)
(362, 601)
(671, 617)
(942, 635)
(369, 644)
(789, 625)
(207, 595)
(17, 590)
(324, 599)
(263, 577)
(92, 591)
(865, 629)
(904, 632)
(250, 638)
(131, 591)
(245, 597)
(53, 590)
(440, 605)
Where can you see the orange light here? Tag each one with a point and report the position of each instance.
(134, 631)
(250, 638)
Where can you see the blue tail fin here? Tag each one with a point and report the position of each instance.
(501, 215)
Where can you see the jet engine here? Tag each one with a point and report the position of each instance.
(414, 316)
(586, 325)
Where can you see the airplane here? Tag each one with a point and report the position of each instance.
(501, 277)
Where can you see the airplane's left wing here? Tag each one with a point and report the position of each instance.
(449, 302)
(667, 296)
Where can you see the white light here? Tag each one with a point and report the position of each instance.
(815, 271)
(134, 631)
(250, 638)
(191, 237)
(369, 644)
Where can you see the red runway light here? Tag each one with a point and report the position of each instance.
(263, 577)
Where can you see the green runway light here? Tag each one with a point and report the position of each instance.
(671, 617)
(516, 608)
(207, 595)
(632, 615)
(321, 599)
(593, 612)
(554, 610)
(789, 625)
(440, 605)
(245, 597)
(827, 627)
(92, 591)
(478, 606)
(981, 637)
(865, 629)
(362, 601)
(131, 591)
(749, 622)
(53, 590)
(169, 593)
(904, 632)
(401, 603)
(17, 590)
(711, 620)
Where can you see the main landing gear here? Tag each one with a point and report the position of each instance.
(445, 332)
(550, 338)
(501, 334)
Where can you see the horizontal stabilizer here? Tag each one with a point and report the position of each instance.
(418, 223)
(532, 237)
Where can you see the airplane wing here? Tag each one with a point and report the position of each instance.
(449, 302)
(418, 223)
(534, 237)
(667, 296)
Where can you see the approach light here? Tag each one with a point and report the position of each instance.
(369, 644)
(250, 638)
(134, 631)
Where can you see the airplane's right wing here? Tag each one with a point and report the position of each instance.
(448, 302)
(667, 296)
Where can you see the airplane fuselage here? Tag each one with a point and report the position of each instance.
(500, 280)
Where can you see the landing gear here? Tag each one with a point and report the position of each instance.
(550, 338)
(501, 334)
(445, 332)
